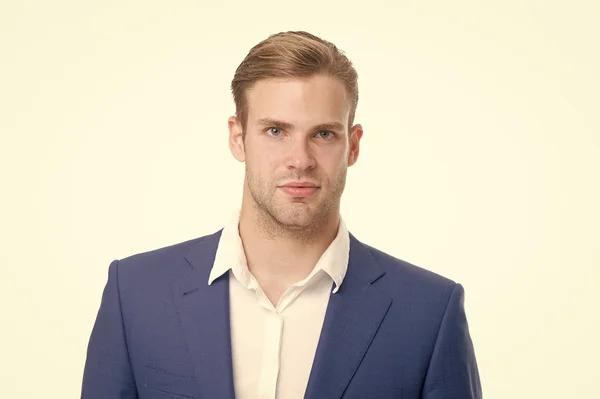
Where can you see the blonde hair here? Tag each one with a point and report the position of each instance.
(293, 54)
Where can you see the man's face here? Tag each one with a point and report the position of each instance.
(297, 135)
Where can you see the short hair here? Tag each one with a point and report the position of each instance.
(292, 54)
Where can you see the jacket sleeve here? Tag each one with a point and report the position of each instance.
(107, 373)
(453, 371)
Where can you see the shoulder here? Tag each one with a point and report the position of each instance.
(399, 268)
(165, 261)
(403, 278)
(420, 297)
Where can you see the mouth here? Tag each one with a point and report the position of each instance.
(300, 189)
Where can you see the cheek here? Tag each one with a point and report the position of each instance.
(334, 164)
(264, 166)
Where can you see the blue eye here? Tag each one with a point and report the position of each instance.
(326, 135)
(275, 131)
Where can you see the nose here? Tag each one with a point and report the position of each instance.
(300, 154)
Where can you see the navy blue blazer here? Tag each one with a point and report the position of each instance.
(393, 330)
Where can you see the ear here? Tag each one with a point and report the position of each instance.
(236, 141)
(355, 135)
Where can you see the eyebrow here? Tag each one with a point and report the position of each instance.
(267, 122)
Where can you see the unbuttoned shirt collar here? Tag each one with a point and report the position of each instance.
(230, 256)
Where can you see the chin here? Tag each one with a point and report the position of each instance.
(295, 215)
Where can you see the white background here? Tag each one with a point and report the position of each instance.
(479, 161)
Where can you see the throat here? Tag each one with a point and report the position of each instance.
(275, 279)
(274, 293)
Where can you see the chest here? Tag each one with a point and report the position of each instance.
(273, 347)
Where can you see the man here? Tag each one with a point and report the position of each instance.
(283, 302)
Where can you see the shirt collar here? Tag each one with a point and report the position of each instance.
(230, 255)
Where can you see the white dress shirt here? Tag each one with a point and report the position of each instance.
(273, 347)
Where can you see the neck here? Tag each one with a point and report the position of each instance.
(282, 256)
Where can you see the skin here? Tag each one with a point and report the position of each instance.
(297, 130)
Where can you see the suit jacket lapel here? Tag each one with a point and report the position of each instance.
(204, 315)
(353, 316)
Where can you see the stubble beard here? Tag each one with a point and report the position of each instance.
(293, 219)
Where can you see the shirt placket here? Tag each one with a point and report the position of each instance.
(272, 338)
(271, 356)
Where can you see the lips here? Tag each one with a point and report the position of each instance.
(299, 189)
(303, 184)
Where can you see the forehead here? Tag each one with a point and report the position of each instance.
(300, 101)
